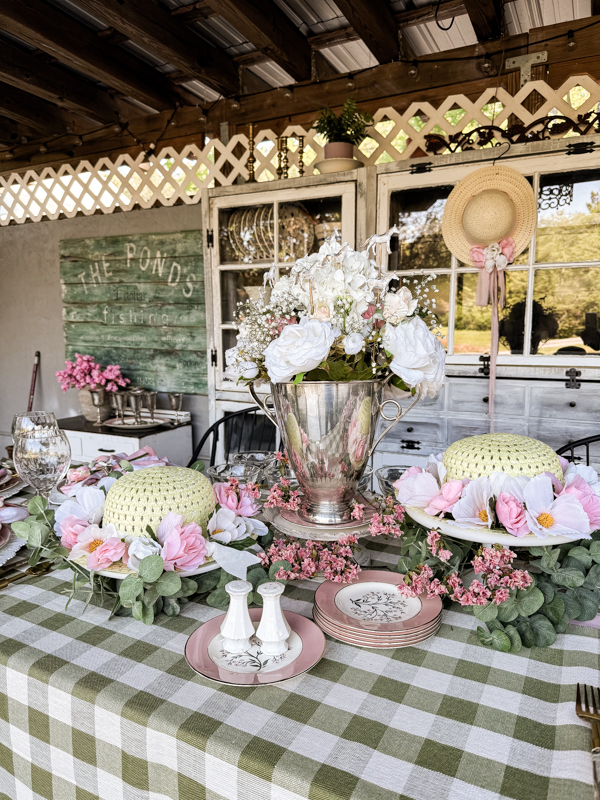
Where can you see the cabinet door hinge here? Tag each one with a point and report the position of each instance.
(213, 358)
(210, 238)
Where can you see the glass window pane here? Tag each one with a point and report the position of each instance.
(472, 328)
(246, 234)
(303, 227)
(418, 214)
(434, 294)
(569, 217)
(567, 301)
(238, 286)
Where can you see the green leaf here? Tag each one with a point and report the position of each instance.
(574, 563)
(298, 378)
(515, 639)
(276, 566)
(241, 544)
(151, 533)
(588, 601)
(205, 582)
(496, 639)
(486, 613)
(592, 579)
(561, 625)
(130, 588)
(537, 552)
(147, 614)
(572, 605)
(568, 577)
(224, 579)
(525, 632)
(543, 630)
(218, 599)
(158, 606)
(199, 466)
(37, 505)
(168, 583)
(529, 600)
(21, 529)
(34, 557)
(554, 610)
(115, 474)
(125, 465)
(494, 625)
(508, 611)
(256, 576)
(188, 588)
(151, 568)
(546, 588)
(548, 561)
(35, 536)
(170, 607)
(595, 551)
(150, 595)
(581, 554)
(137, 609)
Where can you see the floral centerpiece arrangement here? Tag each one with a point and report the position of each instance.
(335, 318)
(145, 538)
(86, 373)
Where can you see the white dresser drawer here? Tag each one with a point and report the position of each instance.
(473, 396)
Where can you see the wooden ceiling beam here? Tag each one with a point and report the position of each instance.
(58, 34)
(418, 16)
(486, 18)
(374, 22)
(271, 31)
(34, 75)
(154, 28)
(39, 114)
(10, 132)
(193, 12)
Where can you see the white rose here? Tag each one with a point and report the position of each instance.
(300, 348)
(399, 305)
(419, 357)
(249, 370)
(353, 343)
(139, 548)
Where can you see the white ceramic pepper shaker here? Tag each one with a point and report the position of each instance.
(273, 630)
(237, 627)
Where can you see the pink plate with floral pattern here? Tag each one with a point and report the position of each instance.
(373, 603)
(205, 655)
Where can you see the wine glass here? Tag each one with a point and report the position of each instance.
(42, 459)
(175, 401)
(29, 421)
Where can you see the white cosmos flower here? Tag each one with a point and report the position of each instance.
(436, 467)
(254, 527)
(474, 507)
(418, 490)
(139, 548)
(224, 526)
(87, 505)
(299, 348)
(353, 343)
(419, 358)
(560, 516)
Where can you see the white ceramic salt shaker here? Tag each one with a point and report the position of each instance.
(273, 630)
(237, 627)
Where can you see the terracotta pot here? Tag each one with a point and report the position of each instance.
(89, 410)
(338, 150)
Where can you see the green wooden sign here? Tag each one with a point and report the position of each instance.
(138, 301)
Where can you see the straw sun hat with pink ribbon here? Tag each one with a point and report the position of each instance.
(490, 218)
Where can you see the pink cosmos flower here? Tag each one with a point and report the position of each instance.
(113, 549)
(444, 502)
(563, 516)
(71, 528)
(91, 539)
(236, 499)
(417, 490)
(589, 501)
(414, 470)
(183, 547)
(511, 514)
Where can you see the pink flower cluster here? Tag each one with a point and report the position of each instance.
(310, 558)
(435, 542)
(494, 564)
(282, 496)
(239, 499)
(86, 372)
(388, 520)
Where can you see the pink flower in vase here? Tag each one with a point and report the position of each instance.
(511, 514)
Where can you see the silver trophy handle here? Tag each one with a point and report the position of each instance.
(394, 420)
(262, 404)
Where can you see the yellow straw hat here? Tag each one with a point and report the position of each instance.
(488, 205)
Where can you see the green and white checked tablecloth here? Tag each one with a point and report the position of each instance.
(92, 708)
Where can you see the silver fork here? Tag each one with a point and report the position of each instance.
(589, 711)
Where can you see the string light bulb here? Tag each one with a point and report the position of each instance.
(486, 64)
(202, 118)
(117, 129)
(413, 71)
(235, 104)
(43, 148)
(350, 82)
(288, 93)
(571, 39)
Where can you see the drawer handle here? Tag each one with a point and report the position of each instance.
(105, 450)
(572, 403)
(486, 399)
(410, 430)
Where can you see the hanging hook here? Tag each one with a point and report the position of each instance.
(501, 154)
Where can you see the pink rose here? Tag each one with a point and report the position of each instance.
(444, 502)
(508, 248)
(71, 527)
(240, 501)
(113, 549)
(590, 501)
(78, 474)
(322, 313)
(183, 548)
(511, 514)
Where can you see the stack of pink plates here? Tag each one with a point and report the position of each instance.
(371, 612)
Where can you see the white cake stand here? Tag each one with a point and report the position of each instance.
(482, 535)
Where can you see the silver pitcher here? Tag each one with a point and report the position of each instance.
(328, 430)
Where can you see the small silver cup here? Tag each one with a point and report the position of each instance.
(136, 398)
(98, 396)
(175, 401)
(150, 402)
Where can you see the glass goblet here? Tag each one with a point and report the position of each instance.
(42, 459)
(29, 421)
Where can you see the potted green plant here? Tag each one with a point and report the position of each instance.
(343, 132)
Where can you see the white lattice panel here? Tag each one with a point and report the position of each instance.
(177, 176)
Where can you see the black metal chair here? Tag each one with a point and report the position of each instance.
(571, 447)
(248, 429)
